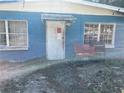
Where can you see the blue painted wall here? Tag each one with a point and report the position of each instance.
(37, 45)
(75, 33)
(36, 36)
(119, 35)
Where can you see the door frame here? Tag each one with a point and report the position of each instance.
(64, 36)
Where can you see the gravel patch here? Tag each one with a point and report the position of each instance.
(28, 84)
(70, 78)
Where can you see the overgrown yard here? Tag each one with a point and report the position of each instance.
(71, 77)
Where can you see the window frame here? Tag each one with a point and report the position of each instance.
(7, 46)
(3, 32)
(99, 27)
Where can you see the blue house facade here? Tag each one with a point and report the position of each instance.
(52, 35)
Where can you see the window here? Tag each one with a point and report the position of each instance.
(91, 33)
(13, 35)
(2, 34)
(99, 32)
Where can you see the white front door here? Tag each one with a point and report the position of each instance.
(55, 37)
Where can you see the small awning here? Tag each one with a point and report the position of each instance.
(57, 17)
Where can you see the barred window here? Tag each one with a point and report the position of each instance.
(99, 32)
(106, 33)
(91, 33)
(13, 35)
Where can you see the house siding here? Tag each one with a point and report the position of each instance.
(119, 39)
(36, 36)
(118, 51)
(73, 34)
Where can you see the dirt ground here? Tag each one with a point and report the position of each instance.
(7, 70)
(77, 77)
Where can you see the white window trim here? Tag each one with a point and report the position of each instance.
(114, 30)
(7, 46)
(7, 32)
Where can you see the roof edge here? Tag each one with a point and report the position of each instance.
(114, 8)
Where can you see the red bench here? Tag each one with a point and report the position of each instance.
(84, 50)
